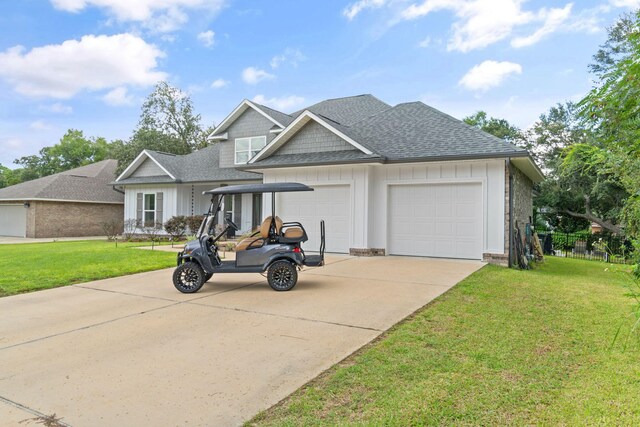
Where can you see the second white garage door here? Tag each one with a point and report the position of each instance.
(13, 220)
(436, 220)
(328, 202)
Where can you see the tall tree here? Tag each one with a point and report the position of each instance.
(170, 111)
(612, 109)
(73, 150)
(496, 127)
(578, 188)
(149, 139)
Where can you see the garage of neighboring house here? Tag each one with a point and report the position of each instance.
(13, 220)
(436, 220)
(74, 203)
(331, 203)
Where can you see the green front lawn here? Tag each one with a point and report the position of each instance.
(30, 267)
(502, 347)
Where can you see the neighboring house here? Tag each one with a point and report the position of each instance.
(401, 180)
(158, 186)
(74, 203)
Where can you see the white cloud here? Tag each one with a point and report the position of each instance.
(553, 19)
(219, 83)
(289, 56)
(91, 63)
(207, 38)
(158, 15)
(355, 8)
(252, 75)
(118, 97)
(630, 4)
(39, 125)
(425, 42)
(283, 103)
(488, 74)
(480, 23)
(57, 108)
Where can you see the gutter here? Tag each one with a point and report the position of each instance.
(510, 169)
(114, 188)
(384, 160)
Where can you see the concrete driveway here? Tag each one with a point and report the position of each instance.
(133, 351)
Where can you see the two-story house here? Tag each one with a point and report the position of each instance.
(391, 180)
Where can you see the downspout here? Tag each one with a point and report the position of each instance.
(116, 189)
(510, 169)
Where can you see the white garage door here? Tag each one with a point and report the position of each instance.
(13, 220)
(437, 220)
(330, 203)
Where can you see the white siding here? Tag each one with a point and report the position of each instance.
(169, 200)
(369, 193)
(356, 177)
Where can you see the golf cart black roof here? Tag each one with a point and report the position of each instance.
(275, 187)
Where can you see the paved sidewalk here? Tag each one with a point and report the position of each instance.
(133, 351)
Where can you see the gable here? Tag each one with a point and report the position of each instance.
(250, 123)
(315, 138)
(148, 168)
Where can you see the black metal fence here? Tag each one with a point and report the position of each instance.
(609, 248)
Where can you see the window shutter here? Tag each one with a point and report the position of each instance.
(159, 208)
(139, 206)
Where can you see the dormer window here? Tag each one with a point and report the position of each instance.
(246, 148)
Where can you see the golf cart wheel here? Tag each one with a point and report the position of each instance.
(207, 276)
(188, 277)
(282, 276)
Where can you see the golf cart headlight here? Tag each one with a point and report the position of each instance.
(187, 251)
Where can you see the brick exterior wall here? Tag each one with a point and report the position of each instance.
(250, 123)
(69, 219)
(315, 138)
(522, 198)
(522, 211)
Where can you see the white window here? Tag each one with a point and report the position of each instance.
(246, 148)
(149, 210)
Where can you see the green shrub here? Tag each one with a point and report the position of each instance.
(193, 223)
(176, 226)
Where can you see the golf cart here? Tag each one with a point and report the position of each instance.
(274, 248)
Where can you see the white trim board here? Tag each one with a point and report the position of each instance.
(137, 162)
(236, 113)
(295, 127)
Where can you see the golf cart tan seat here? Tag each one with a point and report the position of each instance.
(258, 239)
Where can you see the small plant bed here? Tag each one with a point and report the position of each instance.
(504, 347)
(31, 267)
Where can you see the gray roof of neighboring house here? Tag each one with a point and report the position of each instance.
(86, 184)
(199, 166)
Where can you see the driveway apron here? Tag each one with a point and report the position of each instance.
(134, 351)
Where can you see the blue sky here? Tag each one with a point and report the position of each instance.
(89, 64)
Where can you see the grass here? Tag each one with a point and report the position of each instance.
(31, 267)
(503, 347)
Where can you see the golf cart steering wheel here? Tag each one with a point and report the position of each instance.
(231, 224)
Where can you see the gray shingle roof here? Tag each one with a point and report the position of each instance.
(278, 116)
(199, 166)
(87, 184)
(416, 131)
(308, 159)
(349, 110)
